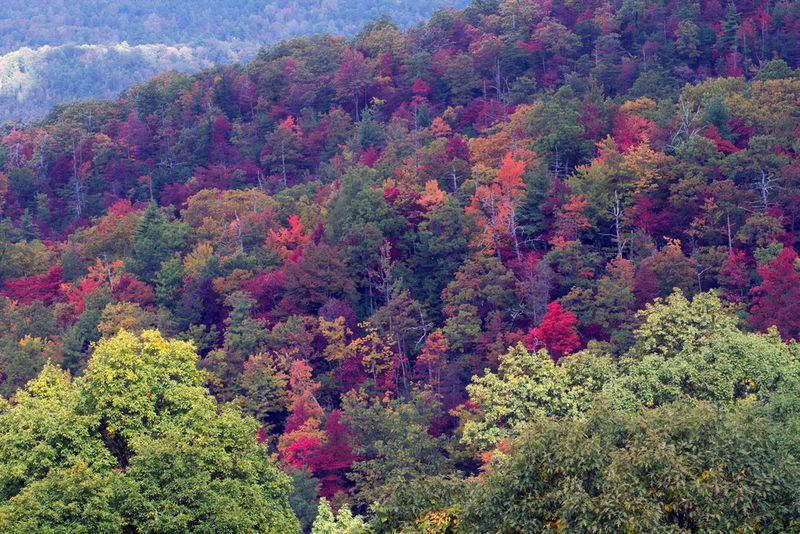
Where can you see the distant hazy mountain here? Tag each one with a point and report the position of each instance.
(33, 80)
(58, 51)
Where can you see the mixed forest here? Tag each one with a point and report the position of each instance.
(56, 52)
(528, 266)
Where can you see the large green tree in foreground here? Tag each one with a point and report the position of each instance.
(135, 444)
(687, 467)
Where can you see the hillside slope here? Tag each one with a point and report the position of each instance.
(527, 266)
(58, 52)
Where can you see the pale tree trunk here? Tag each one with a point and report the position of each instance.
(616, 211)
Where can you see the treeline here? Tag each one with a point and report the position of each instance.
(35, 24)
(60, 52)
(32, 82)
(493, 273)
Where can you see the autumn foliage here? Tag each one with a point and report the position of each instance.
(371, 242)
(556, 332)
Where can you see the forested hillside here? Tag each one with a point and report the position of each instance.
(529, 266)
(56, 52)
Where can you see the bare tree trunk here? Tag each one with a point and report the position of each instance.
(239, 237)
(728, 220)
(764, 184)
(77, 186)
(512, 225)
(455, 180)
(493, 223)
(616, 211)
(283, 161)
(260, 186)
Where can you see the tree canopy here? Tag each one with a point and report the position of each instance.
(524, 266)
(136, 442)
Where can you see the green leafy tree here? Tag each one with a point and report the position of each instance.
(694, 349)
(148, 447)
(303, 497)
(42, 430)
(560, 134)
(264, 388)
(244, 334)
(84, 332)
(530, 386)
(74, 500)
(155, 241)
(391, 438)
(775, 70)
(343, 522)
(360, 220)
(676, 323)
(682, 468)
(726, 367)
(483, 288)
(169, 281)
(427, 504)
(440, 250)
(21, 361)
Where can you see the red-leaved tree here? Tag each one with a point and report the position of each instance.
(776, 300)
(556, 332)
(45, 287)
(333, 457)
